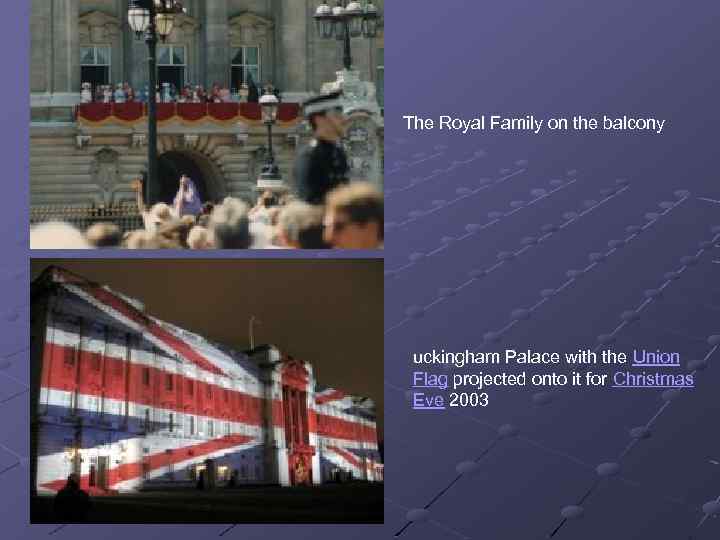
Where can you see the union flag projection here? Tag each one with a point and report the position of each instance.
(125, 400)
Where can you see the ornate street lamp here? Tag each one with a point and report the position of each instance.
(270, 177)
(346, 20)
(153, 19)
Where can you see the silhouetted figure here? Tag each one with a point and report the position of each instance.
(253, 92)
(233, 479)
(201, 480)
(72, 504)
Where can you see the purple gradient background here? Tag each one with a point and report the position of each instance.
(655, 58)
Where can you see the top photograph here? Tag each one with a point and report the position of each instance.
(206, 124)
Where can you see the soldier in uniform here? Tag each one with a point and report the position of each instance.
(323, 165)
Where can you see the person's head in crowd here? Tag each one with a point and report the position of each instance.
(157, 215)
(175, 233)
(142, 239)
(300, 226)
(199, 238)
(266, 202)
(203, 220)
(268, 199)
(189, 221)
(57, 235)
(104, 235)
(354, 217)
(326, 117)
(230, 225)
(286, 198)
(73, 482)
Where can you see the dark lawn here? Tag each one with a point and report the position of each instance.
(332, 503)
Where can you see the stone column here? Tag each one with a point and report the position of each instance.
(65, 47)
(40, 46)
(136, 64)
(291, 37)
(216, 43)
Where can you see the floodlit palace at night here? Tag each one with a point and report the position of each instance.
(127, 401)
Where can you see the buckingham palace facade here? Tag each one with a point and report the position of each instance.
(83, 159)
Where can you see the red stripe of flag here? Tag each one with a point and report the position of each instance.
(347, 455)
(125, 309)
(330, 396)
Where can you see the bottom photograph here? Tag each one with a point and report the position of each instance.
(206, 391)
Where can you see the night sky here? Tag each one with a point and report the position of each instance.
(326, 312)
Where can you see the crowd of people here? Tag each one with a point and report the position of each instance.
(169, 93)
(352, 218)
(328, 212)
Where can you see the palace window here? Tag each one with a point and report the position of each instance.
(245, 65)
(146, 376)
(95, 64)
(172, 63)
(211, 428)
(169, 382)
(171, 422)
(190, 388)
(191, 425)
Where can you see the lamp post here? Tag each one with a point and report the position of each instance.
(153, 18)
(270, 177)
(346, 20)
